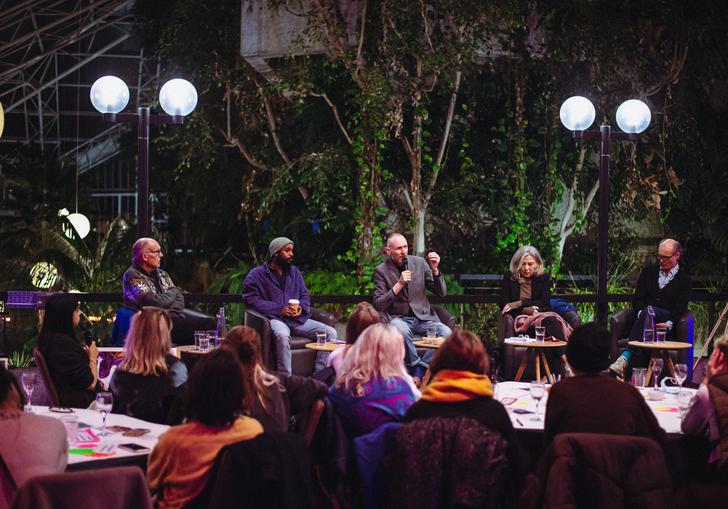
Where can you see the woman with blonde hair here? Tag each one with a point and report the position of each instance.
(373, 386)
(144, 385)
(269, 398)
(526, 293)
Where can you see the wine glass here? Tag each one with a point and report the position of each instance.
(104, 404)
(537, 390)
(656, 367)
(28, 381)
(681, 374)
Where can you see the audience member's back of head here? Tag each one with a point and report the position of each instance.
(244, 342)
(377, 354)
(148, 342)
(9, 384)
(361, 317)
(588, 348)
(216, 389)
(462, 351)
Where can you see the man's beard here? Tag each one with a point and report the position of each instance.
(286, 264)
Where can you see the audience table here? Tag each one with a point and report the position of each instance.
(515, 395)
(94, 451)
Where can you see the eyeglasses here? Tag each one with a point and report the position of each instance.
(157, 252)
(661, 257)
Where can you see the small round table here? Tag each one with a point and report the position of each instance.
(326, 347)
(535, 350)
(662, 348)
(429, 343)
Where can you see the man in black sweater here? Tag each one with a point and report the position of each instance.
(664, 287)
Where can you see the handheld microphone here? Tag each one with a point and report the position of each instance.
(405, 265)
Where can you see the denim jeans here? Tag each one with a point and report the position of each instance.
(409, 326)
(282, 337)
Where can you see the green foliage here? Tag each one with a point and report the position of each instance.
(20, 359)
(231, 281)
(320, 282)
(483, 320)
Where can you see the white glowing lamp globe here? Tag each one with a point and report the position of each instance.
(577, 113)
(178, 97)
(633, 116)
(80, 223)
(109, 94)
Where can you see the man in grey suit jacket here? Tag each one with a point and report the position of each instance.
(399, 292)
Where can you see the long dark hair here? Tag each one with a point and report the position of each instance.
(216, 389)
(58, 317)
(7, 380)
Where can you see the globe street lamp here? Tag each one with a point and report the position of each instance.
(577, 114)
(178, 98)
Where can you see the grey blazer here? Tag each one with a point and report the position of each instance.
(413, 296)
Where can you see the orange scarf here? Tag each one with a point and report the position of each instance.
(455, 386)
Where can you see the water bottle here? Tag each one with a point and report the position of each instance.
(648, 334)
(221, 330)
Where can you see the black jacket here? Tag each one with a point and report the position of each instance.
(68, 365)
(142, 288)
(146, 397)
(540, 293)
(674, 296)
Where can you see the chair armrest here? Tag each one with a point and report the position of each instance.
(685, 328)
(261, 324)
(445, 317)
(323, 316)
(618, 323)
(506, 327)
(572, 318)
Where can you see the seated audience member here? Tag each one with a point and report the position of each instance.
(271, 399)
(145, 382)
(73, 368)
(708, 413)
(362, 317)
(525, 295)
(146, 284)
(180, 463)
(373, 387)
(460, 387)
(21, 447)
(593, 402)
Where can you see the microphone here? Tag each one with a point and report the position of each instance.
(405, 265)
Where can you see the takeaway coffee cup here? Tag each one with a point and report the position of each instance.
(295, 304)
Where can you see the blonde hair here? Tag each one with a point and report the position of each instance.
(721, 343)
(244, 342)
(377, 354)
(147, 343)
(517, 261)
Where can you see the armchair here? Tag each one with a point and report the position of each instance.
(302, 359)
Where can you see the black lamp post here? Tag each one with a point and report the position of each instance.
(577, 114)
(178, 98)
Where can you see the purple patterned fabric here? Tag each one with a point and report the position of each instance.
(383, 401)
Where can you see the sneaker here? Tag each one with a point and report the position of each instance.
(618, 367)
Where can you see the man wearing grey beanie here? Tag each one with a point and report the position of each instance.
(269, 288)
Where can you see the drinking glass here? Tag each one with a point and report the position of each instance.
(431, 332)
(28, 381)
(199, 334)
(320, 337)
(661, 335)
(204, 343)
(681, 373)
(684, 398)
(537, 390)
(540, 333)
(104, 404)
(638, 377)
(648, 336)
(656, 366)
(71, 424)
